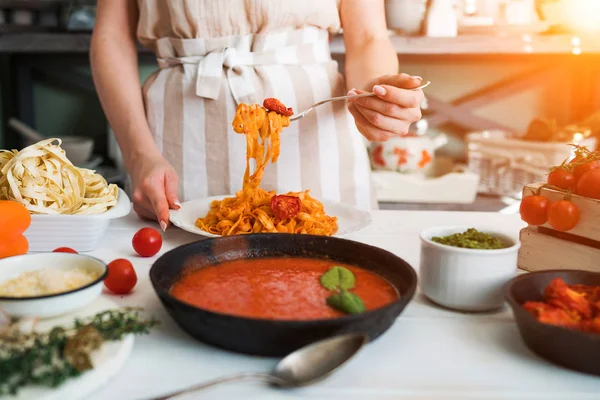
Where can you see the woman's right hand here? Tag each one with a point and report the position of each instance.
(155, 185)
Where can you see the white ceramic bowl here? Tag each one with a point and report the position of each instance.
(78, 149)
(53, 304)
(80, 232)
(465, 279)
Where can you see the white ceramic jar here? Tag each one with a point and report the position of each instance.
(406, 153)
(465, 279)
(405, 15)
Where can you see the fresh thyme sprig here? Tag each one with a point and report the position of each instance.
(50, 358)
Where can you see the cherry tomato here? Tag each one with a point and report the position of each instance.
(285, 207)
(147, 242)
(589, 184)
(121, 278)
(580, 170)
(64, 250)
(534, 210)
(563, 215)
(562, 179)
(273, 104)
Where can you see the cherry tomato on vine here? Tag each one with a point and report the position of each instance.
(121, 278)
(562, 179)
(147, 242)
(580, 170)
(589, 184)
(563, 215)
(64, 250)
(534, 210)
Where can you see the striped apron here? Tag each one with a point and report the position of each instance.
(191, 100)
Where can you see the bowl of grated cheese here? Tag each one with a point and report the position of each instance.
(49, 284)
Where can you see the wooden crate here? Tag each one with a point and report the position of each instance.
(544, 248)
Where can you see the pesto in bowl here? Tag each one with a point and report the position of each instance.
(471, 239)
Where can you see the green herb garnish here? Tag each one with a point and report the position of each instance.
(341, 280)
(471, 239)
(347, 302)
(50, 358)
(338, 278)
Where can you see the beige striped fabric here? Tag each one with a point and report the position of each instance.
(204, 73)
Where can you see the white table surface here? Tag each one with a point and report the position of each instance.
(429, 352)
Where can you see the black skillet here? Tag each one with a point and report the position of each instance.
(270, 337)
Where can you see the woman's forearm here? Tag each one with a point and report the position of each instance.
(113, 57)
(369, 50)
(369, 60)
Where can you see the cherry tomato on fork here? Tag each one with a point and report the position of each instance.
(147, 242)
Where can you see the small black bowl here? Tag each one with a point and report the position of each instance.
(569, 348)
(277, 337)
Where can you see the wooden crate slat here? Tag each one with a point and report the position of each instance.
(589, 223)
(541, 252)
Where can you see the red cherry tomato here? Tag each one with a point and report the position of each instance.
(64, 250)
(147, 242)
(589, 184)
(580, 170)
(563, 215)
(121, 278)
(285, 207)
(534, 210)
(562, 179)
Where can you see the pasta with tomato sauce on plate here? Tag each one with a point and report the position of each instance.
(255, 210)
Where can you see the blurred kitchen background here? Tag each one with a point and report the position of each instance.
(513, 83)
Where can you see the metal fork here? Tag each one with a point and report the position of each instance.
(356, 96)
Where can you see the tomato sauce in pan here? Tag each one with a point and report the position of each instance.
(282, 288)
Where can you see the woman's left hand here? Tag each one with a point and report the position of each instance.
(391, 111)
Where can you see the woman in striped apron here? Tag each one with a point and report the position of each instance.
(175, 132)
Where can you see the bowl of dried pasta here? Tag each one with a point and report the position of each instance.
(69, 206)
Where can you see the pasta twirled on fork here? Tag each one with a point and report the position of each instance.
(255, 210)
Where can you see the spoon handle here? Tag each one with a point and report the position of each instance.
(251, 376)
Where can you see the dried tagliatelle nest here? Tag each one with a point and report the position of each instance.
(43, 179)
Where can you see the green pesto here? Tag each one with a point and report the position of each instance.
(471, 239)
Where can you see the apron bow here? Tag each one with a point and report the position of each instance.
(235, 61)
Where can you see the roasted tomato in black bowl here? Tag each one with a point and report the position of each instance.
(558, 315)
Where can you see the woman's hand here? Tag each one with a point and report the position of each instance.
(155, 184)
(391, 111)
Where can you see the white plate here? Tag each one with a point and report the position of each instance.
(107, 361)
(350, 219)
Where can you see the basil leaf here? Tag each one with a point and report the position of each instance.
(338, 278)
(347, 302)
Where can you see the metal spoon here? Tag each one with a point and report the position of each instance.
(304, 366)
(356, 96)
